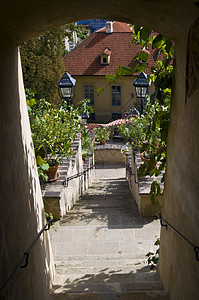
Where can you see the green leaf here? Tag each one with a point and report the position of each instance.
(145, 33)
(137, 28)
(159, 41)
(141, 56)
(164, 129)
(39, 160)
(172, 50)
(122, 71)
(44, 167)
(99, 90)
(111, 78)
(140, 68)
(142, 170)
(32, 102)
(168, 45)
(152, 97)
(155, 55)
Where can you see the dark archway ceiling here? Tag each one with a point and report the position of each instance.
(23, 19)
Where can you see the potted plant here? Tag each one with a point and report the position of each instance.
(87, 142)
(134, 130)
(102, 134)
(53, 130)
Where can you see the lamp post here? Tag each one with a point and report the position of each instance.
(66, 85)
(141, 87)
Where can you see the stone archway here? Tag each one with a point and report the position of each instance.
(21, 201)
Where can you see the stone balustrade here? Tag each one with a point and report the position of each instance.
(140, 186)
(60, 196)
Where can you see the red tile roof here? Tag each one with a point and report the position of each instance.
(85, 59)
(118, 27)
(117, 122)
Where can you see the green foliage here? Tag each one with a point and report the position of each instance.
(87, 142)
(42, 63)
(54, 129)
(83, 108)
(152, 127)
(134, 130)
(157, 112)
(153, 258)
(42, 60)
(49, 216)
(101, 133)
(42, 167)
(80, 31)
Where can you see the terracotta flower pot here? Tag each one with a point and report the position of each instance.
(147, 160)
(52, 172)
(102, 142)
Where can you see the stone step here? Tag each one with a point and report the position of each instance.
(131, 272)
(93, 267)
(102, 291)
(127, 259)
(133, 295)
(100, 248)
(104, 260)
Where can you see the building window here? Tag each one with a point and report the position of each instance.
(116, 116)
(89, 93)
(116, 95)
(91, 117)
(71, 45)
(104, 60)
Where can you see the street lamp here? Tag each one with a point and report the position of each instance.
(65, 85)
(141, 87)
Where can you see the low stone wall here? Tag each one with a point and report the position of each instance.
(60, 196)
(140, 187)
(110, 152)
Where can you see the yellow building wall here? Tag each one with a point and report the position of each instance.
(103, 107)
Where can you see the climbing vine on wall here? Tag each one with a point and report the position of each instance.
(161, 76)
(155, 120)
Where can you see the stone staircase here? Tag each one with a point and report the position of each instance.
(100, 245)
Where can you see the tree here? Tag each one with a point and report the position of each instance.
(42, 60)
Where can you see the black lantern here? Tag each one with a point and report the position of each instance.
(141, 87)
(85, 118)
(66, 84)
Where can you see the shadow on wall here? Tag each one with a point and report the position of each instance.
(22, 213)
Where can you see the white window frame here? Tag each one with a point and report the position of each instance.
(117, 94)
(87, 95)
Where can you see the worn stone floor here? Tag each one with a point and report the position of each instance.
(101, 245)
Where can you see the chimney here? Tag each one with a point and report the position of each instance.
(109, 27)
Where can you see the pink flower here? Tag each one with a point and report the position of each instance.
(91, 131)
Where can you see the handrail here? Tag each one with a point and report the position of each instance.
(195, 248)
(24, 261)
(67, 179)
(128, 168)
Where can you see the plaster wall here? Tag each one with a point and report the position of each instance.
(109, 155)
(178, 267)
(21, 206)
(103, 107)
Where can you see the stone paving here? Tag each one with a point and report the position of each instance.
(100, 246)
